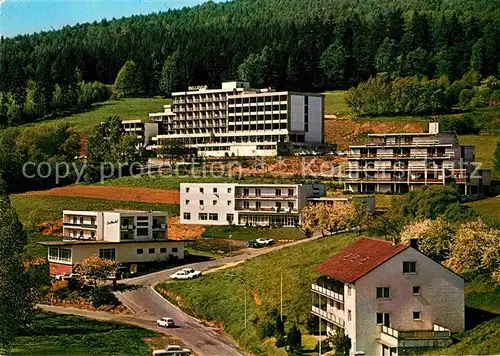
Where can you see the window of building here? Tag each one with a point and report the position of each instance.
(151, 251)
(140, 251)
(230, 218)
(278, 192)
(349, 315)
(349, 290)
(415, 290)
(214, 202)
(257, 192)
(187, 202)
(107, 253)
(246, 191)
(417, 315)
(213, 216)
(229, 202)
(290, 192)
(202, 216)
(175, 249)
(229, 190)
(409, 267)
(142, 232)
(187, 190)
(187, 216)
(383, 319)
(59, 254)
(163, 250)
(202, 202)
(278, 205)
(201, 190)
(383, 292)
(215, 190)
(257, 205)
(290, 205)
(246, 205)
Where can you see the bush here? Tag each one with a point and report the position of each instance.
(280, 342)
(461, 125)
(266, 329)
(294, 339)
(325, 346)
(312, 325)
(341, 343)
(101, 296)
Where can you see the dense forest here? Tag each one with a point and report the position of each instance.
(287, 44)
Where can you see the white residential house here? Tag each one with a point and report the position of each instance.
(127, 237)
(236, 120)
(245, 204)
(388, 298)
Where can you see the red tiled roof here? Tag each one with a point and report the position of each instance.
(358, 259)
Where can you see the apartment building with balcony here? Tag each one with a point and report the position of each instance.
(239, 121)
(143, 130)
(400, 162)
(245, 204)
(128, 237)
(388, 298)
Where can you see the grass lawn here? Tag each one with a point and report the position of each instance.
(66, 335)
(220, 296)
(126, 109)
(335, 103)
(488, 208)
(485, 147)
(252, 233)
(33, 210)
(168, 181)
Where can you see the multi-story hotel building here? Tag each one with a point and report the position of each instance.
(399, 162)
(125, 236)
(245, 204)
(388, 298)
(238, 121)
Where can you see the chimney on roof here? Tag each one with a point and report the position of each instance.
(414, 243)
(434, 127)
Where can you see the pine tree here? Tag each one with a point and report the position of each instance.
(15, 306)
(168, 80)
(476, 59)
(333, 61)
(128, 81)
(385, 59)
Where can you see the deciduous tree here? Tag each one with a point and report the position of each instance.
(96, 268)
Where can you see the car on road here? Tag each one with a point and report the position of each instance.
(67, 277)
(265, 242)
(254, 244)
(171, 350)
(186, 273)
(166, 322)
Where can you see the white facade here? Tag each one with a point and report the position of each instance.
(238, 121)
(399, 162)
(124, 236)
(245, 204)
(389, 310)
(143, 130)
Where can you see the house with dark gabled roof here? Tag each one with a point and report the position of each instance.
(388, 298)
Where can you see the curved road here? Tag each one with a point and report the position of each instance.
(149, 306)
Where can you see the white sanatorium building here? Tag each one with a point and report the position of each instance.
(399, 162)
(253, 204)
(242, 204)
(124, 236)
(388, 298)
(238, 121)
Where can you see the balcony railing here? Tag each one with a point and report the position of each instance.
(401, 155)
(83, 226)
(416, 338)
(273, 196)
(408, 143)
(327, 293)
(127, 227)
(268, 209)
(328, 316)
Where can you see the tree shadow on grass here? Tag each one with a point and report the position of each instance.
(475, 316)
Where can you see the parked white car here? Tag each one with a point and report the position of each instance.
(186, 273)
(166, 322)
(265, 242)
(172, 350)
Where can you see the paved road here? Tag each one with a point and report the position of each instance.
(202, 339)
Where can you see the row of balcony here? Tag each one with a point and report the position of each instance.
(264, 196)
(198, 108)
(327, 293)
(271, 209)
(328, 316)
(200, 100)
(401, 180)
(420, 338)
(401, 155)
(133, 227)
(84, 226)
(404, 143)
(196, 117)
(190, 126)
(399, 168)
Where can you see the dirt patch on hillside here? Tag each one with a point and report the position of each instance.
(347, 132)
(176, 231)
(51, 228)
(143, 195)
